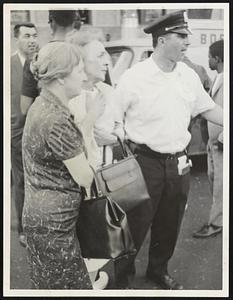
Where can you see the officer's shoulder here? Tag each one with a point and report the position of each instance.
(136, 70)
(184, 68)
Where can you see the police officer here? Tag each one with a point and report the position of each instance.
(156, 99)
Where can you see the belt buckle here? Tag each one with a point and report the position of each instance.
(171, 156)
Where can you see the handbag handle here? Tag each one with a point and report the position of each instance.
(123, 149)
(100, 194)
(124, 152)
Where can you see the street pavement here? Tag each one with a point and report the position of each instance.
(196, 263)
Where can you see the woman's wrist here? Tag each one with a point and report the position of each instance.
(87, 126)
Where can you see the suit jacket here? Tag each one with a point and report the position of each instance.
(217, 96)
(17, 119)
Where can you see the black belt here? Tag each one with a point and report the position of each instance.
(146, 151)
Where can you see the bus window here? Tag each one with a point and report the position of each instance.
(206, 14)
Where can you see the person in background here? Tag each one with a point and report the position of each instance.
(26, 40)
(108, 37)
(206, 82)
(214, 148)
(201, 72)
(96, 62)
(53, 155)
(154, 119)
(62, 22)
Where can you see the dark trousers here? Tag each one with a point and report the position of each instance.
(163, 213)
(168, 192)
(139, 220)
(18, 179)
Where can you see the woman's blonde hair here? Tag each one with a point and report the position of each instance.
(55, 60)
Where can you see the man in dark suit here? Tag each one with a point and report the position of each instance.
(62, 23)
(26, 39)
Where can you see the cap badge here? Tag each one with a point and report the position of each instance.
(185, 16)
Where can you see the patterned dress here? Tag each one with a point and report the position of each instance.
(52, 197)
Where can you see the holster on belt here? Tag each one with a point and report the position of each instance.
(132, 146)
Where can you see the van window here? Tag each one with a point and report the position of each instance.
(145, 54)
(121, 59)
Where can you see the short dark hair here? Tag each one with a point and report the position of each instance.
(63, 17)
(217, 49)
(19, 25)
(154, 40)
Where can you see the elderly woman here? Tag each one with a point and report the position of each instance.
(55, 168)
(96, 61)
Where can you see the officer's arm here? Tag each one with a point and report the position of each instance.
(214, 115)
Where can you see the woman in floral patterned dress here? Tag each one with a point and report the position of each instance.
(53, 155)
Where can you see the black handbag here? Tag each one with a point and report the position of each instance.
(123, 181)
(102, 228)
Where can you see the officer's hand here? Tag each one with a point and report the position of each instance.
(220, 146)
(220, 141)
(103, 137)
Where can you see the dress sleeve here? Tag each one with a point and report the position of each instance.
(65, 139)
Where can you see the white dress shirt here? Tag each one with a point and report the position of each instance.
(216, 93)
(156, 106)
(218, 79)
(21, 58)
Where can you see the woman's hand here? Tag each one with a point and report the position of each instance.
(95, 105)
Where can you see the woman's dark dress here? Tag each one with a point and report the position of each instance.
(52, 197)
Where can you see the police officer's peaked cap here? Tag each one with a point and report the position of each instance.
(175, 22)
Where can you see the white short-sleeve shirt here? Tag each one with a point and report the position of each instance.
(156, 106)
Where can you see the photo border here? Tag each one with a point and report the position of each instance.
(6, 151)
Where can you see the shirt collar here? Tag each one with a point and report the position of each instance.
(21, 58)
(153, 67)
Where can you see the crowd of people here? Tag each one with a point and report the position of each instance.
(62, 114)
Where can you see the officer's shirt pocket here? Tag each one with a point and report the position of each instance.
(187, 95)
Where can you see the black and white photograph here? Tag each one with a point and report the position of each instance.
(116, 149)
